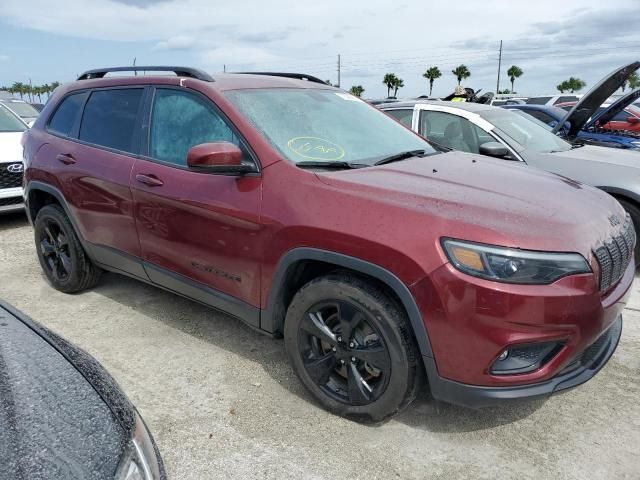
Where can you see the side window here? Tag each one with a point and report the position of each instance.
(65, 116)
(109, 118)
(181, 120)
(566, 98)
(537, 100)
(404, 116)
(543, 117)
(621, 116)
(452, 131)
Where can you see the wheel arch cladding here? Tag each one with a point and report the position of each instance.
(292, 272)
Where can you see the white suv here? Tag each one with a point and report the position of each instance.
(11, 166)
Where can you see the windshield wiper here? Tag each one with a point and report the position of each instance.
(576, 145)
(401, 156)
(328, 164)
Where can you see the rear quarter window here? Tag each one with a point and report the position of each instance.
(66, 114)
(110, 118)
(538, 100)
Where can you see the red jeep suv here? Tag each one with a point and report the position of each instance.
(309, 214)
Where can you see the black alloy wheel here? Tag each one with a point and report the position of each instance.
(61, 255)
(54, 247)
(343, 353)
(352, 347)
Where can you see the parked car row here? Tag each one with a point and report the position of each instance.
(502, 133)
(386, 258)
(382, 259)
(11, 164)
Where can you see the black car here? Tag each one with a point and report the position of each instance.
(62, 416)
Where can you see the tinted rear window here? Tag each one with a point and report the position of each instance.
(109, 118)
(65, 116)
(566, 98)
(538, 100)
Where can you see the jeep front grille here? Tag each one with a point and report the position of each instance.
(10, 179)
(615, 254)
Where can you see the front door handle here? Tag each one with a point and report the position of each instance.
(149, 179)
(66, 158)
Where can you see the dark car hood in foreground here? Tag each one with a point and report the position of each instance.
(53, 422)
(580, 114)
(488, 200)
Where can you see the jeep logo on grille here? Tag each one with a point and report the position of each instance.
(15, 168)
(614, 220)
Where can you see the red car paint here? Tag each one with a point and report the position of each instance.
(631, 111)
(393, 216)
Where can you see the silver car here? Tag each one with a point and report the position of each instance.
(494, 131)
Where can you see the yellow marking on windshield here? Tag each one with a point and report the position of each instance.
(316, 148)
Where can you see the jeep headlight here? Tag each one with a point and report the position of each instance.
(512, 265)
(139, 461)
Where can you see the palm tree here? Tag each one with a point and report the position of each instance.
(399, 83)
(357, 90)
(461, 72)
(575, 84)
(19, 88)
(432, 74)
(634, 81)
(389, 80)
(513, 73)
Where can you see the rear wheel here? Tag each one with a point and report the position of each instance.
(350, 345)
(61, 256)
(634, 213)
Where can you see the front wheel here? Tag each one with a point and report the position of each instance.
(352, 348)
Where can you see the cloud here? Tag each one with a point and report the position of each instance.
(551, 42)
(179, 42)
(264, 37)
(240, 57)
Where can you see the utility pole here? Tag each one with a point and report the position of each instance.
(338, 85)
(224, 68)
(499, 65)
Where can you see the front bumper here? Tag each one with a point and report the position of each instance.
(577, 372)
(11, 200)
(471, 321)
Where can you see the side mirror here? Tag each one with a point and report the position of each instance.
(633, 120)
(218, 157)
(494, 149)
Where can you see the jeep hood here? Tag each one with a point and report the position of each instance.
(580, 114)
(481, 199)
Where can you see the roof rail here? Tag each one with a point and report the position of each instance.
(298, 76)
(179, 71)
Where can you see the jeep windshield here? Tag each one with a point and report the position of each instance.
(318, 126)
(529, 134)
(9, 122)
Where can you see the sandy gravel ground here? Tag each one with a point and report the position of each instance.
(222, 401)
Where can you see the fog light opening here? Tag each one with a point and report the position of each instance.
(525, 358)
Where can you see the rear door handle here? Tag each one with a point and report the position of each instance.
(66, 158)
(149, 179)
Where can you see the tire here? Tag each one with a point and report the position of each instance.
(62, 258)
(371, 373)
(634, 212)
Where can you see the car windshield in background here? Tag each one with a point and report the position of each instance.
(22, 108)
(9, 122)
(526, 131)
(317, 125)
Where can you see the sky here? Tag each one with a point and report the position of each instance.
(549, 40)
